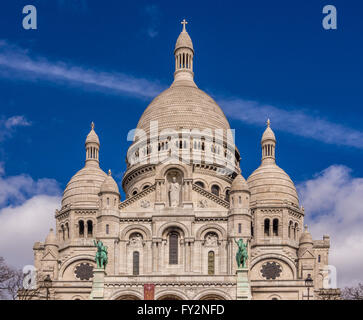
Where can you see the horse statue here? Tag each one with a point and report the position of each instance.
(101, 254)
(241, 255)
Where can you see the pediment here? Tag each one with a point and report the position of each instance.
(143, 201)
(49, 255)
(204, 199)
(307, 254)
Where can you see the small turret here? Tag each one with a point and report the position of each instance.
(184, 53)
(92, 148)
(268, 144)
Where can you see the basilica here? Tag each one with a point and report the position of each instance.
(186, 205)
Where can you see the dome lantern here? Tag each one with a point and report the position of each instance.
(184, 53)
(268, 144)
(92, 148)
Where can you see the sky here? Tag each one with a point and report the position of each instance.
(104, 62)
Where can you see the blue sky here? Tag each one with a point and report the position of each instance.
(258, 59)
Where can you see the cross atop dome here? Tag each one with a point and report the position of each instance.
(268, 122)
(184, 22)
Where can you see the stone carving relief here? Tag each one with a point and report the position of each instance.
(144, 203)
(271, 270)
(202, 203)
(211, 239)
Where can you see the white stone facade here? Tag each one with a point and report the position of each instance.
(177, 226)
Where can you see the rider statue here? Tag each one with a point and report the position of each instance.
(101, 254)
(241, 255)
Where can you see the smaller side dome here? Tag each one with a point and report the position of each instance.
(109, 185)
(92, 137)
(51, 238)
(305, 237)
(239, 184)
(268, 134)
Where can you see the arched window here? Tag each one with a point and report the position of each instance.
(89, 228)
(67, 230)
(275, 227)
(319, 258)
(108, 201)
(145, 186)
(227, 195)
(81, 228)
(135, 263)
(215, 190)
(134, 193)
(107, 228)
(211, 262)
(63, 233)
(252, 230)
(295, 231)
(290, 229)
(200, 184)
(267, 227)
(173, 248)
(239, 199)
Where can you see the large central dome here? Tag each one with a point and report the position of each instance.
(183, 106)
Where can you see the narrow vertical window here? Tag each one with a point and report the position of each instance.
(295, 231)
(81, 228)
(173, 248)
(319, 258)
(252, 230)
(89, 228)
(275, 227)
(67, 230)
(239, 228)
(135, 263)
(267, 227)
(211, 262)
(107, 229)
(63, 232)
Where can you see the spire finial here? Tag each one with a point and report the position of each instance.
(268, 122)
(184, 22)
(92, 125)
(306, 228)
(109, 172)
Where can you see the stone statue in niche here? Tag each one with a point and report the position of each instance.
(136, 240)
(211, 239)
(174, 193)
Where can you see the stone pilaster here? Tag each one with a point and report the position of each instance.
(243, 285)
(98, 284)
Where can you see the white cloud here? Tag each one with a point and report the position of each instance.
(16, 63)
(27, 209)
(297, 122)
(23, 225)
(15, 190)
(8, 125)
(333, 205)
